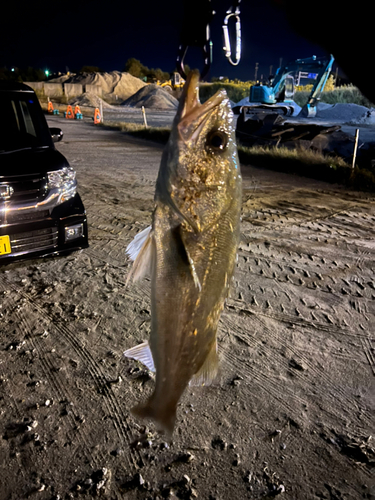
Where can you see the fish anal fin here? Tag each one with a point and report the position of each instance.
(142, 353)
(208, 371)
(141, 251)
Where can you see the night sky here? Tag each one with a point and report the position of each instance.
(68, 35)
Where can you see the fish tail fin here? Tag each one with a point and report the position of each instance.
(164, 417)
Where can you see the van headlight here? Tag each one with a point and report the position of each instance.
(64, 181)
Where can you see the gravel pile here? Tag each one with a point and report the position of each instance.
(152, 96)
(244, 102)
(89, 99)
(59, 79)
(367, 119)
(341, 112)
(114, 83)
(351, 114)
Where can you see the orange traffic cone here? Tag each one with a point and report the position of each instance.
(69, 113)
(97, 117)
(51, 110)
(77, 113)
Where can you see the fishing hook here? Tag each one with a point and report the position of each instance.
(196, 33)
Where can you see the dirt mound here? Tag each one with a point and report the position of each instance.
(368, 118)
(89, 99)
(114, 83)
(342, 112)
(244, 102)
(59, 79)
(152, 96)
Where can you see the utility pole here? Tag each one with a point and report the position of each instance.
(256, 71)
(271, 68)
(336, 76)
(280, 62)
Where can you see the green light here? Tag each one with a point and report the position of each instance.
(46, 72)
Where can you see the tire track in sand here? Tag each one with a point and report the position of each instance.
(62, 393)
(102, 385)
(288, 398)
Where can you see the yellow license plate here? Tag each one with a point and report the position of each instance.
(5, 245)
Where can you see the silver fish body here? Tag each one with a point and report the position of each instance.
(191, 249)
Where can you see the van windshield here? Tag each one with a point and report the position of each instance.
(22, 124)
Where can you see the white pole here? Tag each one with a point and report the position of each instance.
(101, 112)
(144, 116)
(355, 147)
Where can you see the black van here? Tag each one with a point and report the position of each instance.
(41, 212)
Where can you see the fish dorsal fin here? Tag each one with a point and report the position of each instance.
(142, 353)
(207, 373)
(140, 251)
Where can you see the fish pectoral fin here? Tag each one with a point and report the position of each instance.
(185, 255)
(208, 371)
(183, 216)
(142, 353)
(136, 244)
(193, 271)
(140, 251)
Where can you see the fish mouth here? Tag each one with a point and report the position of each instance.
(190, 95)
(191, 113)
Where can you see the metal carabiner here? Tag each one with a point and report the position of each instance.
(232, 12)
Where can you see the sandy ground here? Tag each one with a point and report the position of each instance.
(292, 415)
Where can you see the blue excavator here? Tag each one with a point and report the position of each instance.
(277, 96)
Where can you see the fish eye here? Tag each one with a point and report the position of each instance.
(216, 141)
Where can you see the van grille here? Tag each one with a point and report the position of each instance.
(39, 239)
(27, 188)
(20, 216)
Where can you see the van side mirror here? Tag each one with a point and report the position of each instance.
(56, 133)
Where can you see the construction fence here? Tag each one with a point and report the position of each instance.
(64, 89)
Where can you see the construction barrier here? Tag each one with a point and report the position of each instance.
(51, 110)
(97, 117)
(77, 113)
(69, 113)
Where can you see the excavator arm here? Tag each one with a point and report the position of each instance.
(281, 89)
